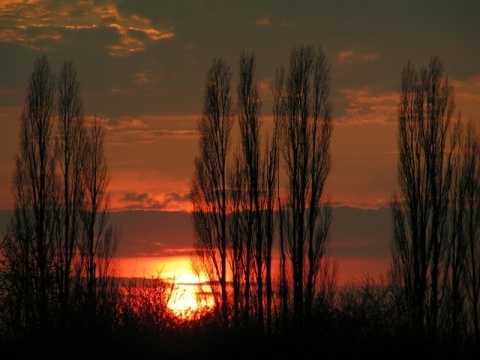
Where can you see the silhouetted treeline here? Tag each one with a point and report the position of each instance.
(57, 253)
(261, 219)
(436, 245)
(249, 202)
(239, 215)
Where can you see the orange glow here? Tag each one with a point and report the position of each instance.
(189, 296)
(166, 267)
(355, 269)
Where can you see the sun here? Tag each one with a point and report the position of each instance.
(187, 298)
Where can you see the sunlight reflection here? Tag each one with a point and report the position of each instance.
(188, 300)
(189, 297)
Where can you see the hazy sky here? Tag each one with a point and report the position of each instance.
(141, 66)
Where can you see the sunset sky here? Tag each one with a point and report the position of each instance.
(142, 64)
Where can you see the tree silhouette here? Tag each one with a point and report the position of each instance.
(249, 105)
(248, 203)
(471, 225)
(209, 186)
(270, 211)
(461, 291)
(425, 174)
(70, 147)
(100, 238)
(59, 188)
(239, 254)
(57, 268)
(28, 246)
(305, 117)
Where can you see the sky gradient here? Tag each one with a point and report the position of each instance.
(142, 64)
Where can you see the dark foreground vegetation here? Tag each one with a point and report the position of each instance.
(60, 295)
(367, 319)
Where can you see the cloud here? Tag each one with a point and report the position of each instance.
(264, 21)
(187, 251)
(128, 131)
(367, 105)
(467, 97)
(133, 130)
(135, 201)
(364, 106)
(288, 24)
(134, 197)
(468, 90)
(146, 77)
(125, 124)
(173, 201)
(152, 34)
(130, 136)
(39, 24)
(353, 56)
(79, 27)
(178, 134)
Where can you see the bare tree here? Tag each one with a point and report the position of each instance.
(425, 168)
(463, 248)
(238, 224)
(249, 105)
(471, 223)
(305, 113)
(279, 111)
(60, 221)
(453, 317)
(100, 239)
(209, 187)
(273, 222)
(319, 209)
(28, 247)
(70, 147)
(270, 221)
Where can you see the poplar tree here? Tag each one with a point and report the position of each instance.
(249, 106)
(305, 114)
(420, 210)
(28, 247)
(70, 147)
(209, 186)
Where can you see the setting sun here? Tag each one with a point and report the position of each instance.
(189, 295)
(183, 300)
(202, 179)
